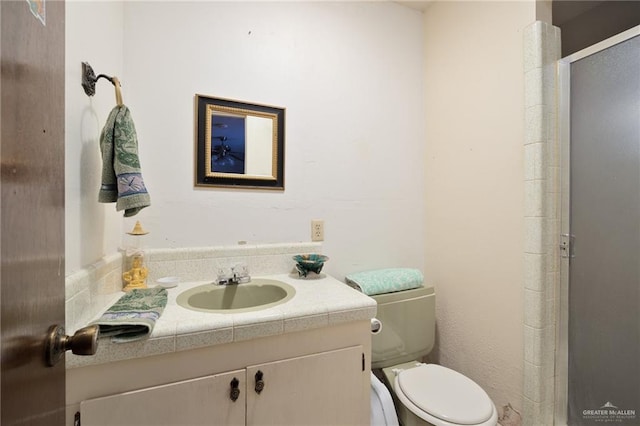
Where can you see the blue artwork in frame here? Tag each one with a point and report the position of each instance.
(227, 143)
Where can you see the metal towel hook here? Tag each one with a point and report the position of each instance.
(89, 81)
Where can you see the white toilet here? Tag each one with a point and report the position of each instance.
(424, 394)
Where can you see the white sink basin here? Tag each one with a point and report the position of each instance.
(258, 294)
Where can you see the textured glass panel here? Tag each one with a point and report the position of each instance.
(604, 275)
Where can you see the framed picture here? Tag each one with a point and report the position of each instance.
(239, 144)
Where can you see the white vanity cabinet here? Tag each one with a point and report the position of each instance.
(203, 401)
(321, 389)
(320, 377)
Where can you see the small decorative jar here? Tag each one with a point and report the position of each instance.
(136, 272)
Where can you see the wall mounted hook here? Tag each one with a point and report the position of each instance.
(89, 79)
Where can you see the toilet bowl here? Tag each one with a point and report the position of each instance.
(429, 394)
(422, 394)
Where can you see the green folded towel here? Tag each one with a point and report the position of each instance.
(121, 177)
(389, 280)
(133, 316)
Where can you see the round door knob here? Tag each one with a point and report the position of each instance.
(83, 342)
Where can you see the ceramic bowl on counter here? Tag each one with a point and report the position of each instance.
(168, 282)
(306, 263)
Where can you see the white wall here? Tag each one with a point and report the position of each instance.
(350, 76)
(94, 35)
(474, 188)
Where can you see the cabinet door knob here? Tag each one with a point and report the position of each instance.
(235, 390)
(259, 382)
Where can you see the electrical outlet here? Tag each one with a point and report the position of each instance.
(317, 230)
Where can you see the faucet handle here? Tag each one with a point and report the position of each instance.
(240, 269)
(240, 272)
(236, 274)
(223, 276)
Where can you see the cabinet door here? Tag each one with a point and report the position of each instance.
(202, 401)
(319, 389)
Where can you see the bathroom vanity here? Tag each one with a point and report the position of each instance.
(305, 361)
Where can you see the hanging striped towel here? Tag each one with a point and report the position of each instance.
(134, 315)
(121, 176)
(388, 280)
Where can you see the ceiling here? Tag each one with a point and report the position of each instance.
(416, 4)
(564, 11)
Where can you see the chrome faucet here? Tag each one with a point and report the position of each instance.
(239, 275)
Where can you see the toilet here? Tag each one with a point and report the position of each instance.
(422, 394)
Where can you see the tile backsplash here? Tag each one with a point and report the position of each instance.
(93, 288)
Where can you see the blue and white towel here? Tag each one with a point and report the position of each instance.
(379, 281)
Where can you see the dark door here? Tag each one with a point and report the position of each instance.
(32, 208)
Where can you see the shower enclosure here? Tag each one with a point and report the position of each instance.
(598, 346)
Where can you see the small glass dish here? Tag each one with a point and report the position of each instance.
(168, 282)
(306, 263)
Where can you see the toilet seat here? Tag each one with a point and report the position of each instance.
(442, 396)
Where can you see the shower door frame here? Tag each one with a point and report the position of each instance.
(564, 134)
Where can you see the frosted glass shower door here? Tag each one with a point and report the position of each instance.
(604, 269)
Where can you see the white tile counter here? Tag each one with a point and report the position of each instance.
(320, 301)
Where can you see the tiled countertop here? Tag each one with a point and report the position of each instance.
(320, 301)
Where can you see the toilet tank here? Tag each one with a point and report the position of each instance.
(408, 326)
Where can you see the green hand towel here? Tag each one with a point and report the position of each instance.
(121, 177)
(133, 316)
(389, 280)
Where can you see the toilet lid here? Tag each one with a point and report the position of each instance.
(445, 394)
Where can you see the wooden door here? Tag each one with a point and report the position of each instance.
(202, 401)
(32, 208)
(319, 389)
